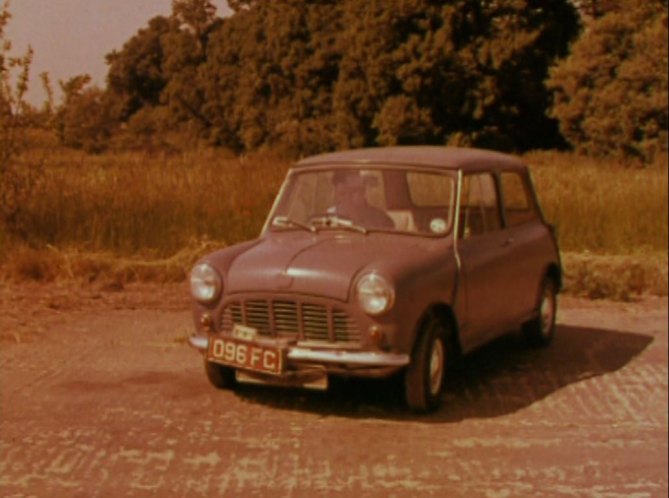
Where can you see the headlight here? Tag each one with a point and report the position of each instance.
(205, 283)
(375, 294)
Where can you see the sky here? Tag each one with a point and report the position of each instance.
(72, 37)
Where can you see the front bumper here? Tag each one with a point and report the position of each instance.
(330, 359)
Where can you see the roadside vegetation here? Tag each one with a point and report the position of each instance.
(147, 216)
(185, 147)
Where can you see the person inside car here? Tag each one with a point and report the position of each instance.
(351, 201)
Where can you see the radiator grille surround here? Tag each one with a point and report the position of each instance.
(292, 320)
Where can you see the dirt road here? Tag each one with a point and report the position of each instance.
(101, 397)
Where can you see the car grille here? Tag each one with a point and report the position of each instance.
(291, 320)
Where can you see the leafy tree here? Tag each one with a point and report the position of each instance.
(136, 76)
(14, 77)
(185, 49)
(18, 176)
(467, 72)
(611, 92)
(159, 65)
(314, 75)
(594, 9)
(239, 5)
(195, 15)
(86, 118)
(269, 74)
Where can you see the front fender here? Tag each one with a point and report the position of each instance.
(417, 291)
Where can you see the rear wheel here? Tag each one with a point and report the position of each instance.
(540, 330)
(219, 376)
(424, 377)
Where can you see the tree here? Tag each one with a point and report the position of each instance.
(594, 9)
(85, 119)
(136, 76)
(418, 71)
(269, 74)
(313, 75)
(611, 92)
(185, 50)
(195, 15)
(18, 176)
(14, 77)
(158, 67)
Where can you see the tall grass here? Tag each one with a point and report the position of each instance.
(156, 204)
(601, 207)
(146, 216)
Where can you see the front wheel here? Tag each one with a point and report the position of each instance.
(219, 376)
(540, 330)
(424, 377)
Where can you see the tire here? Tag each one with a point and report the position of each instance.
(539, 331)
(424, 377)
(219, 376)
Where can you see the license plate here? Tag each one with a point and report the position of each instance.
(246, 355)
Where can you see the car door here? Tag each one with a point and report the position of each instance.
(487, 260)
(528, 237)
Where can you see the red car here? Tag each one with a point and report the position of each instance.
(376, 261)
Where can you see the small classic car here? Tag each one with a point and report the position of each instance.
(378, 261)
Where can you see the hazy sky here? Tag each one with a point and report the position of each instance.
(72, 37)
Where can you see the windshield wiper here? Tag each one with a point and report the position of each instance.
(334, 221)
(286, 222)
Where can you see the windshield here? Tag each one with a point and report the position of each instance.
(406, 200)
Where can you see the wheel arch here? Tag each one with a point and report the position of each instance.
(445, 314)
(554, 272)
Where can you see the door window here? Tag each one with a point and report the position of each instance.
(479, 210)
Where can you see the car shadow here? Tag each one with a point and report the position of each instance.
(498, 379)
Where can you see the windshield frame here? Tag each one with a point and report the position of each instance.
(453, 174)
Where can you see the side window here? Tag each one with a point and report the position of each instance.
(479, 210)
(518, 206)
(432, 199)
(430, 189)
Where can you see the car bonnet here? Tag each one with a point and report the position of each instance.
(323, 264)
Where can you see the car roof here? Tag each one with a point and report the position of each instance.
(452, 158)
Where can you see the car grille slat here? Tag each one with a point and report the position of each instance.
(343, 327)
(291, 320)
(286, 322)
(257, 316)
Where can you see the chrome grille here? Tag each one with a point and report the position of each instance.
(291, 320)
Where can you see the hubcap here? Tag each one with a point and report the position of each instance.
(547, 312)
(436, 366)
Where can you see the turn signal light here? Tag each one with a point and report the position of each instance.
(376, 336)
(207, 322)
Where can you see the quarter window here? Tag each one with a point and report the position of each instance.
(518, 206)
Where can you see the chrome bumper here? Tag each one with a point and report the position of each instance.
(353, 358)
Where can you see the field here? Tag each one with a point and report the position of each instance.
(148, 215)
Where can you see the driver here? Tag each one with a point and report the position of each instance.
(351, 202)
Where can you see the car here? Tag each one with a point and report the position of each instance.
(380, 262)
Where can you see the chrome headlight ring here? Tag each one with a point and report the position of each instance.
(206, 284)
(375, 294)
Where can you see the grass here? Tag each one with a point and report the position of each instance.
(601, 207)
(149, 215)
(148, 204)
